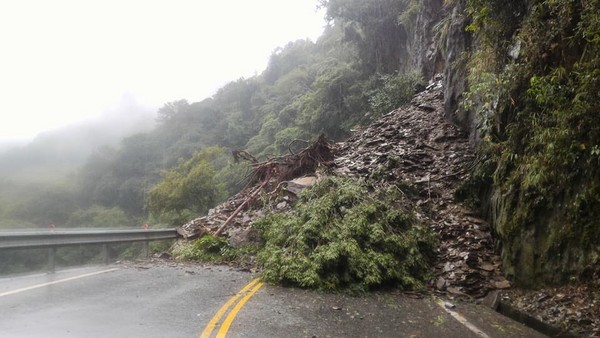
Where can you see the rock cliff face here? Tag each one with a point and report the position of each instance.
(456, 47)
(425, 54)
(440, 45)
(546, 244)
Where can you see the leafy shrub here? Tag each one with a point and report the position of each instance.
(207, 249)
(392, 91)
(217, 250)
(340, 237)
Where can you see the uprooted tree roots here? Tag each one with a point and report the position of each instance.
(276, 170)
(293, 165)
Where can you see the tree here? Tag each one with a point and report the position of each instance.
(172, 111)
(191, 187)
(98, 216)
(374, 27)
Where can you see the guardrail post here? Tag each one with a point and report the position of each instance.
(146, 249)
(105, 253)
(52, 259)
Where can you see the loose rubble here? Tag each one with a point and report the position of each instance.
(569, 308)
(417, 151)
(415, 148)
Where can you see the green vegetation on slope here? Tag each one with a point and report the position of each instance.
(536, 81)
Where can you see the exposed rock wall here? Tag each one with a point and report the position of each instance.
(425, 52)
(457, 45)
(540, 192)
(440, 45)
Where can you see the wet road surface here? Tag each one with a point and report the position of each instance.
(179, 300)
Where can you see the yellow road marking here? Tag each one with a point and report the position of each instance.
(213, 322)
(225, 327)
(55, 282)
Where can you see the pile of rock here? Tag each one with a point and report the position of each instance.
(412, 148)
(415, 148)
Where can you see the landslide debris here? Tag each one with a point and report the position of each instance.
(415, 146)
(412, 150)
(416, 152)
(273, 185)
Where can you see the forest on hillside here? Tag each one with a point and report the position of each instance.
(183, 166)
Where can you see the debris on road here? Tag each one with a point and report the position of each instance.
(416, 151)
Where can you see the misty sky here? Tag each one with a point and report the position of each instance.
(62, 61)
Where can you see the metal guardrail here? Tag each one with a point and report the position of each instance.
(50, 239)
(55, 239)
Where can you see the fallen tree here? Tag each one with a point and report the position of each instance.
(273, 171)
(341, 236)
(290, 166)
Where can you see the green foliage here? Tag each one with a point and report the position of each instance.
(52, 204)
(10, 223)
(206, 249)
(216, 250)
(21, 261)
(393, 92)
(191, 186)
(340, 237)
(374, 26)
(495, 19)
(326, 108)
(308, 88)
(284, 138)
(102, 217)
(132, 251)
(540, 118)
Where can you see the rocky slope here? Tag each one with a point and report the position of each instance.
(414, 147)
(416, 150)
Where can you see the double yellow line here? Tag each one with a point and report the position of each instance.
(247, 292)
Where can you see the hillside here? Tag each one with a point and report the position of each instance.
(514, 134)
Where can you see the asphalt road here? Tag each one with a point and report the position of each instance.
(178, 300)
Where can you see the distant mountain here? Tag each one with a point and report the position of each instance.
(54, 154)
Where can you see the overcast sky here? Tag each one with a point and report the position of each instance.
(62, 61)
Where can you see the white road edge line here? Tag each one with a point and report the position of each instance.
(56, 282)
(463, 320)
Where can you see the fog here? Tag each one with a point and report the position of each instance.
(54, 153)
(65, 61)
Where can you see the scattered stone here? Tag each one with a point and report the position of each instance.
(297, 185)
(415, 146)
(492, 299)
(162, 255)
(441, 284)
(504, 284)
(243, 236)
